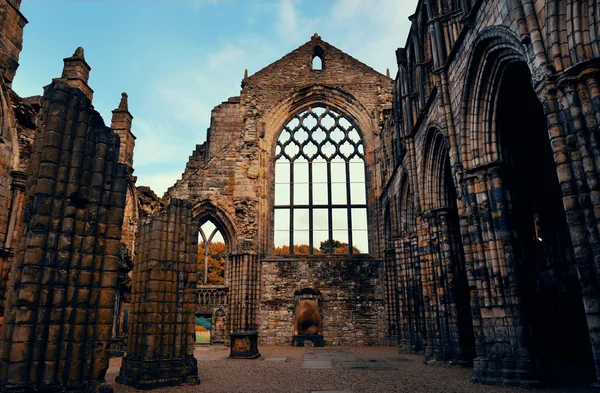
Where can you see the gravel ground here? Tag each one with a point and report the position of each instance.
(270, 375)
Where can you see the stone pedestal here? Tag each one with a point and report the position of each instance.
(317, 339)
(244, 345)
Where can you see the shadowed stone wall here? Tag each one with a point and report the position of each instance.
(61, 298)
(490, 176)
(160, 347)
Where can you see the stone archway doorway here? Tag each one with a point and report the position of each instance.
(551, 300)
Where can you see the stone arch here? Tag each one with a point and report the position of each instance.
(493, 50)
(337, 98)
(388, 226)
(436, 175)
(206, 211)
(407, 218)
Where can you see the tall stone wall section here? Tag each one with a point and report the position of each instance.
(352, 299)
(61, 298)
(447, 73)
(229, 179)
(17, 123)
(160, 346)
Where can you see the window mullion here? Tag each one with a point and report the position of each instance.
(329, 209)
(349, 209)
(310, 209)
(291, 207)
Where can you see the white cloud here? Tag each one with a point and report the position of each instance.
(159, 182)
(201, 79)
(371, 30)
(292, 26)
(182, 103)
(227, 57)
(158, 143)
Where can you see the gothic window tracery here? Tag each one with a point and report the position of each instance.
(320, 194)
(211, 254)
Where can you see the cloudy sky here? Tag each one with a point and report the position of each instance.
(178, 59)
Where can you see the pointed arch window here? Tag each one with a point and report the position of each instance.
(320, 193)
(211, 255)
(318, 59)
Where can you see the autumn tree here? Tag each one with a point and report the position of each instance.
(215, 262)
(303, 249)
(337, 246)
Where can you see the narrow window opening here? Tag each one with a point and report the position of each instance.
(318, 59)
(212, 252)
(317, 63)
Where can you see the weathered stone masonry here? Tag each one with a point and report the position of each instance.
(482, 173)
(160, 345)
(480, 261)
(60, 301)
(229, 179)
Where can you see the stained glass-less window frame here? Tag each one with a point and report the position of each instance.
(320, 171)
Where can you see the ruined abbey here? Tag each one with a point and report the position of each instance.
(451, 209)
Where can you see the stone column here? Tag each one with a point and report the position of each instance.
(410, 296)
(243, 292)
(573, 122)
(160, 344)
(60, 301)
(493, 272)
(391, 286)
(449, 330)
(19, 180)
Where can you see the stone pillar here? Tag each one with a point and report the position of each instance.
(410, 296)
(18, 186)
(76, 73)
(121, 124)
(160, 343)
(391, 289)
(60, 301)
(573, 123)
(445, 291)
(243, 291)
(493, 273)
(16, 210)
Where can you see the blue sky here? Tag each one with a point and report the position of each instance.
(177, 59)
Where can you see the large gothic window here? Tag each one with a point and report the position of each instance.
(320, 194)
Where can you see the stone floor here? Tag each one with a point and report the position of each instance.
(326, 370)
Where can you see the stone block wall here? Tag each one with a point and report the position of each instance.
(160, 346)
(12, 23)
(61, 298)
(225, 126)
(352, 303)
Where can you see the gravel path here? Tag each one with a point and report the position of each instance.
(330, 369)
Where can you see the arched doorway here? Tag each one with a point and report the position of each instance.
(446, 295)
(211, 317)
(552, 306)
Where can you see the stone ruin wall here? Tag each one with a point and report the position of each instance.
(160, 345)
(66, 267)
(230, 180)
(352, 296)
